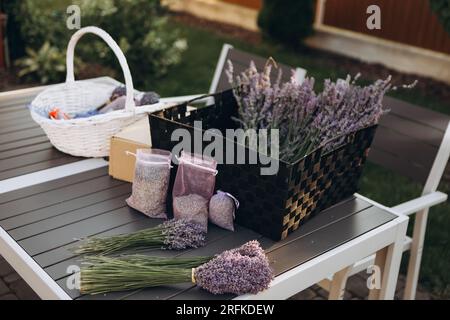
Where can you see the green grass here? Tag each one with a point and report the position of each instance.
(194, 75)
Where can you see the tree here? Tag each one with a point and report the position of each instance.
(442, 9)
(287, 21)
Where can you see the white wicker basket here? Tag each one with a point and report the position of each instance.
(86, 137)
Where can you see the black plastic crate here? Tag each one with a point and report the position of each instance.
(273, 205)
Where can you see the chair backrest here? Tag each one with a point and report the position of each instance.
(410, 140)
(241, 61)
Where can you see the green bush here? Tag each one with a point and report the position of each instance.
(287, 21)
(442, 9)
(47, 64)
(138, 26)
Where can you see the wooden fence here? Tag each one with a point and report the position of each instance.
(253, 4)
(405, 21)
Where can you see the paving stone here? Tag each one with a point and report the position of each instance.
(348, 295)
(12, 277)
(357, 286)
(23, 291)
(321, 292)
(9, 296)
(3, 288)
(400, 288)
(5, 268)
(399, 292)
(422, 295)
(401, 283)
(307, 294)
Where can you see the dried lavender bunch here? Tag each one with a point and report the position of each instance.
(118, 91)
(145, 260)
(255, 94)
(306, 120)
(174, 235)
(295, 109)
(239, 271)
(122, 275)
(345, 107)
(149, 97)
(288, 107)
(182, 234)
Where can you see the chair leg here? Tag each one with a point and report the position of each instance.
(337, 285)
(388, 260)
(412, 276)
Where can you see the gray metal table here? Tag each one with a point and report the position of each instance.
(46, 220)
(24, 147)
(26, 155)
(48, 200)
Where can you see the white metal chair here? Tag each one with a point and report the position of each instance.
(241, 61)
(420, 206)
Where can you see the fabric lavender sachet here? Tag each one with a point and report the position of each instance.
(222, 208)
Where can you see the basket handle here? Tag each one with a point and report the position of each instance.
(129, 103)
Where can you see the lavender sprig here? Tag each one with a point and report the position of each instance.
(172, 234)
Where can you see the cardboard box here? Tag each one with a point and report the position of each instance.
(131, 138)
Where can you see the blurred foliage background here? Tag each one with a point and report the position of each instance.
(139, 27)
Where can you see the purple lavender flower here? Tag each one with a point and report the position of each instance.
(345, 107)
(118, 92)
(238, 271)
(306, 120)
(288, 107)
(173, 234)
(181, 234)
(149, 97)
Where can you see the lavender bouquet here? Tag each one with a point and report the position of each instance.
(172, 234)
(305, 119)
(242, 270)
(345, 107)
(289, 107)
